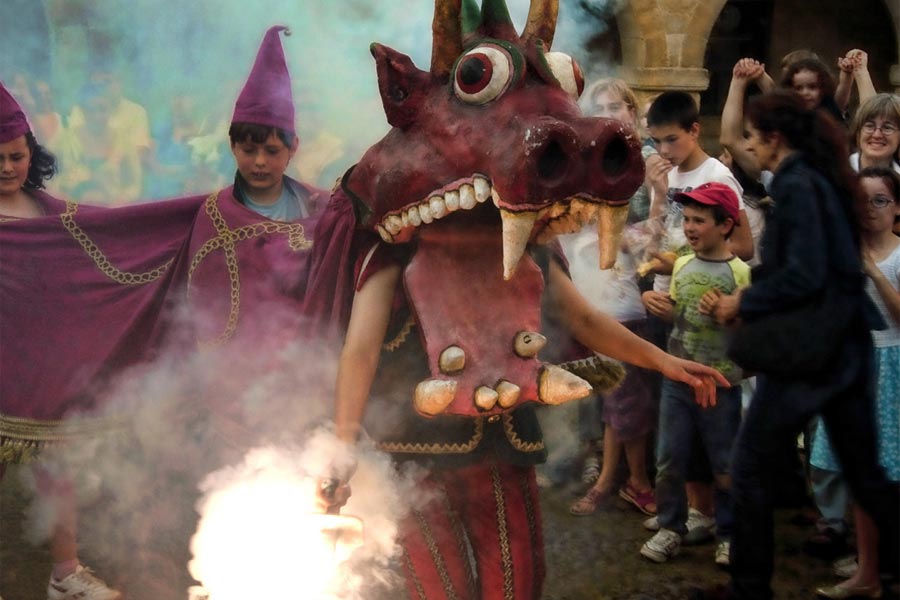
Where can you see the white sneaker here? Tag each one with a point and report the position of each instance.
(651, 524)
(81, 585)
(662, 546)
(723, 553)
(700, 528)
(845, 567)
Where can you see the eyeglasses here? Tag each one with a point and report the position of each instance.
(880, 201)
(885, 128)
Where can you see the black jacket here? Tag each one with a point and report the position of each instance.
(808, 241)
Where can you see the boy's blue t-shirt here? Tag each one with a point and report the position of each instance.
(291, 205)
(696, 336)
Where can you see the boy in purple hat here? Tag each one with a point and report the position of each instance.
(711, 212)
(263, 138)
(263, 223)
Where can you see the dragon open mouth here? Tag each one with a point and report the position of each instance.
(521, 223)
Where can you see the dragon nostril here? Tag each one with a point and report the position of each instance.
(552, 163)
(615, 157)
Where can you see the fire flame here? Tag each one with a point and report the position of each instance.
(263, 535)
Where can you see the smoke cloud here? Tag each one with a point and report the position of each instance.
(185, 62)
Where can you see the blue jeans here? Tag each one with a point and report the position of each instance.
(680, 419)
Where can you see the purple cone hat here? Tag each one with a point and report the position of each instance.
(12, 119)
(266, 98)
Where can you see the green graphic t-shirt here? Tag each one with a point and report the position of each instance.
(696, 336)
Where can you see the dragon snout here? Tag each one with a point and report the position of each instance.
(551, 155)
(614, 167)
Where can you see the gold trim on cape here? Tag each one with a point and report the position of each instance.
(226, 240)
(106, 267)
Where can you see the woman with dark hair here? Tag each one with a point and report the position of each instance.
(24, 166)
(811, 242)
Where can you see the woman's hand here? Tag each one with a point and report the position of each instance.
(727, 307)
(700, 377)
(868, 263)
(708, 302)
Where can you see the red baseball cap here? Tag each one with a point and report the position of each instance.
(714, 194)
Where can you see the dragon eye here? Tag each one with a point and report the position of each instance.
(482, 74)
(567, 72)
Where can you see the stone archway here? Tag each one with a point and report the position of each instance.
(664, 43)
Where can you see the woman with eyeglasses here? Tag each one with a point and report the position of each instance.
(876, 131)
(877, 211)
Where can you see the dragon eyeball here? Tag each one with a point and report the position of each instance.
(482, 74)
(567, 72)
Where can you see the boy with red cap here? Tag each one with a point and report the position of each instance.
(711, 212)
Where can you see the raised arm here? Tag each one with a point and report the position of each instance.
(369, 319)
(731, 137)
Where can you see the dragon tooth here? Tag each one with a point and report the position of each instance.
(467, 197)
(556, 385)
(485, 397)
(413, 215)
(528, 343)
(425, 213)
(438, 208)
(451, 200)
(508, 394)
(609, 229)
(393, 224)
(452, 359)
(433, 396)
(404, 219)
(384, 234)
(516, 233)
(482, 189)
(495, 197)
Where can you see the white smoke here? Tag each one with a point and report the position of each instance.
(191, 438)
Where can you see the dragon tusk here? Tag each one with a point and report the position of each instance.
(556, 385)
(609, 229)
(516, 233)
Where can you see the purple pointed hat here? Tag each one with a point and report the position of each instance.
(266, 98)
(12, 119)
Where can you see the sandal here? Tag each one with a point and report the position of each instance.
(643, 501)
(587, 504)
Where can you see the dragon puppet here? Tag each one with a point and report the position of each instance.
(449, 224)
(488, 154)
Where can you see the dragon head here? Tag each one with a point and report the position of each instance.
(494, 123)
(489, 152)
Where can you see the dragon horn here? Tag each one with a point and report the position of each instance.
(471, 17)
(541, 22)
(447, 35)
(496, 21)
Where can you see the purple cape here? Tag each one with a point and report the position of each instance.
(87, 291)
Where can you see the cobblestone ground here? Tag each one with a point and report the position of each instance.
(588, 558)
